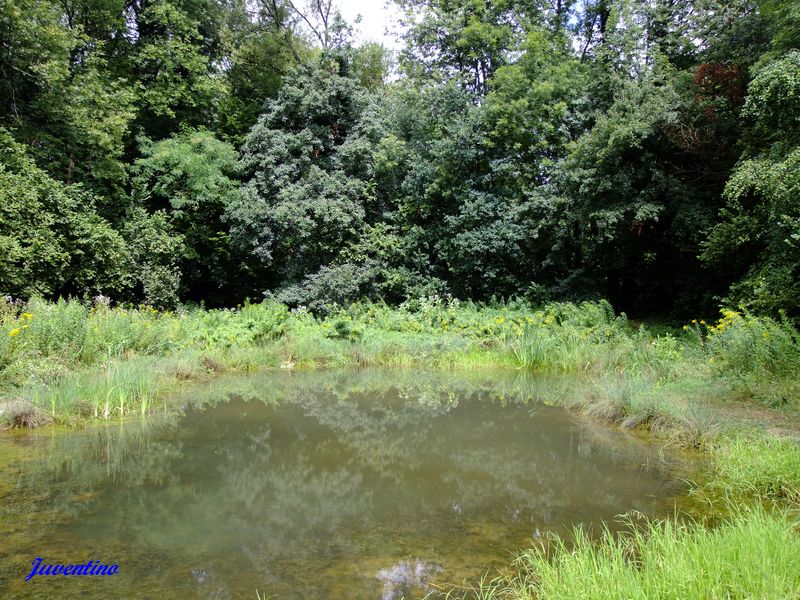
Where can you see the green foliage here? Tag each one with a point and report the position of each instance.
(371, 65)
(156, 249)
(35, 50)
(559, 149)
(465, 39)
(260, 50)
(91, 129)
(638, 217)
(753, 346)
(763, 469)
(174, 151)
(760, 224)
(629, 376)
(252, 324)
(61, 96)
(51, 239)
(783, 25)
(188, 177)
(328, 287)
(773, 101)
(41, 340)
(305, 197)
(342, 329)
(755, 354)
(455, 204)
(533, 104)
(173, 61)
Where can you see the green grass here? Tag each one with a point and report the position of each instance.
(73, 360)
(755, 553)
(764, 469)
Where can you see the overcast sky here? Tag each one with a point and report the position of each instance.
(377, 18)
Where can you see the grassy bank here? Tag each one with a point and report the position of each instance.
(753, 554)
(729, 388)
(746, 544)
(68, 360)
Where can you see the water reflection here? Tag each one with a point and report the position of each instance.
(405, 577)
(366, 484)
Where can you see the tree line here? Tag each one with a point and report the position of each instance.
(173, 151)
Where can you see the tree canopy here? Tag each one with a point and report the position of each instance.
(172, 151)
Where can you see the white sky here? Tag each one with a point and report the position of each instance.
(378, 17)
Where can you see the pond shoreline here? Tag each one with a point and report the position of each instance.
(373, 404)
(727, 389)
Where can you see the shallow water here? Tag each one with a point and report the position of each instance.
(362, 484)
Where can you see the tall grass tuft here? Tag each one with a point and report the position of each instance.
(753, 554)
(120, 387)
(766, 469)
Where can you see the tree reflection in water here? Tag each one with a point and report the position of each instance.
(365, 484)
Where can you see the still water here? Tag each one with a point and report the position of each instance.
(367, 484)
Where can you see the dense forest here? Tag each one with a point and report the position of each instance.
(186, 151)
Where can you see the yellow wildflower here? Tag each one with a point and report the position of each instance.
(13, 333)
(694, 321)
(686, 328)
(27, 316)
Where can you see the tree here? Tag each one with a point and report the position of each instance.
(260, 47)
(175, 60)
(642, 189)
(448, 193)
(758, 236)
(156, 251)
(304, 199)
(188, 178)
(58, 95)
(52, 242)
(534, 110)
(323, 21)
(84, 137)
(34, 53)
(784, 25)
(467, 39)
(371, 65)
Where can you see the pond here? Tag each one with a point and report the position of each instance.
(365, 484)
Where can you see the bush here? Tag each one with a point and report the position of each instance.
(753, 346)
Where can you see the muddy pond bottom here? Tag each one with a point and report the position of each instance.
(367, 484)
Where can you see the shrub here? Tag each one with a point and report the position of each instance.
(746, 345)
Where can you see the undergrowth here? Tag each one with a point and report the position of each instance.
(73, 358)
